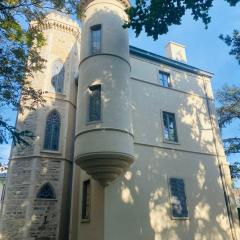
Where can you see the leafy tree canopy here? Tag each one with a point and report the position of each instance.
(155, 16)
(19, 57)
(229, 98)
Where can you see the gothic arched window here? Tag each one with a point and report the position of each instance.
(52, 131)
(58, 73)
(46, 192)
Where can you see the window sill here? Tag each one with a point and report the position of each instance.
(180, 218)
(94, 122)
(170, 142)
(50, 152)
(46, 199)
(85, 220)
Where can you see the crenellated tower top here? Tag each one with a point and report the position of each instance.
(61, 22)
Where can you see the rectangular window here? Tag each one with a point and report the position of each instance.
(3, 192)
(86, 200)
(170, 129)
(164, 79)
(238, 214)
(94, 112)
(178, 198)
(96, 39)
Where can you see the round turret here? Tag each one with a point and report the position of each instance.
(104, 136)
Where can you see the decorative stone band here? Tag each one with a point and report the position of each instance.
(104, 166)
(52, 23)
(84, 3)
(105, 54)
(104, 129)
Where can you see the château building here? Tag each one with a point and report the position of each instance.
(127, 144)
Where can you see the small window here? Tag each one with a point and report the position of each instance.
(86, 200)
(94, 111)
(178, 198)
(52, 131)
(164, 79)
(46, 192)
(58, 73)
(238, 214)
(96, 39)
(170, 130)
(3, 192)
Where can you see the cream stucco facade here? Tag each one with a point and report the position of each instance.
(124, 155)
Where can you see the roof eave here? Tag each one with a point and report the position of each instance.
(164, 60)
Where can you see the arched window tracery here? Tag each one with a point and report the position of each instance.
(46, 192)
(52, 131)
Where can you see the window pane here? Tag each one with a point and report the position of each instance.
(96, 39)
(178, 198)
(86, 200)
(94, 103)
(46, 192)
(170, 131)
(164, 79)
(58, 73)
(52, 131)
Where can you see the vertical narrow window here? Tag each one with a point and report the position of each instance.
(238, 214)
(178, 198)
(86, 200)
(52, 131)
(164, 79)
(58, 73)
(170, 130)
(96, 39)
(94, 111)
(3, 192)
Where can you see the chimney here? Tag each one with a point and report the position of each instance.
(176, 52)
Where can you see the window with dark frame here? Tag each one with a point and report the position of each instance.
(164, 79)
(52, 131)
(86, 200)
(3, 192)
(96, 39)
(94, 108)
(238, 214)
(170, 129)
(178, 198)
(46, 192)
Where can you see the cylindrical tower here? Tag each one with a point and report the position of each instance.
(104, 136)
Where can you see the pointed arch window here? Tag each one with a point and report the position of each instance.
(58, 73)
(46, 192)
(52, 131)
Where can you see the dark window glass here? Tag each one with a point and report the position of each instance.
(3, 192)
(58, 74)
(46, 192)
(94, 103)
(96, 39)
(238, 213)
(52, 131)
(178, 198)
(86, 200)
(164, 79)
(170, 130)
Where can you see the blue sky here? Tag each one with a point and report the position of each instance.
(204, 50)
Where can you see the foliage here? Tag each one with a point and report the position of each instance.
(155, 16)
(20, 44)
(229, 98)
(234, 42)
(235, 170)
